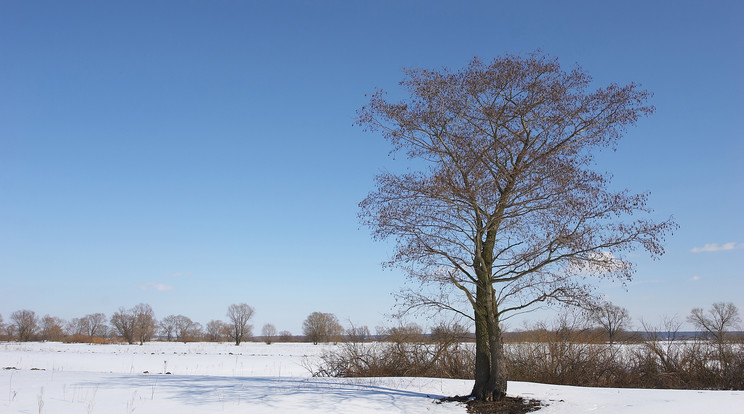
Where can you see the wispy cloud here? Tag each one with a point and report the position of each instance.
(157, 286)
(695, 278)
(714, 247)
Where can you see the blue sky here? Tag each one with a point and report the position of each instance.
(195, 154)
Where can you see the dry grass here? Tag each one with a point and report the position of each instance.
(566, 354)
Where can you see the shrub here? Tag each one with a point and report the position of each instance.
(405, 354)
(87, 339)
(568, 353)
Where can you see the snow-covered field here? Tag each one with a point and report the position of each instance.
(258, 378)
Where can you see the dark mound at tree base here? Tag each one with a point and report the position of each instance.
(509, 405)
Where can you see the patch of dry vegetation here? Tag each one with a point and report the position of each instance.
(568, 353)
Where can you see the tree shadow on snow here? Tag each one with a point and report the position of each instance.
(270, 391)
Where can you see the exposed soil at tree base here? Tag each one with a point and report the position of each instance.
(509, 405)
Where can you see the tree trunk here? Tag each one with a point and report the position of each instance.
(490, 363)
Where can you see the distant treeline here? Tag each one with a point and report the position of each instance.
(603, 324)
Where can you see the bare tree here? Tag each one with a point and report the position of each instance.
(76, 327)
(611, 318)
(10, 330)
(358, 334)
(285, 336)
(186, 329)
(145, 323)
(168, 327)
(403, 333)
(718, 321)
(26, 323)
(180, 328)
(449, 332)
(52, 328)
(136, 324)
(91, 325)
(505, 211)
(268, 332)
(216, 330)
(123, 323)
(95, 325)
(194, 333)
(239, 316)
(322, 327)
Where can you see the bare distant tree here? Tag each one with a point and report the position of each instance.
(52, 328)
(95, 324)
(123, 323)
(186, 329)
(194, 333)
(268, 332)
(91, 325)
(322, 327)
(506, 211)
(239, 315)
(285, 336)
(168, 327)
(10, 330)
(358, 333)
(216, 330)
(718, 321)
(452, 332)
(135, 324)
(145, 324)
(76, 327)
(611, 318)
(26, 323)
(2, 325)
(403, 333)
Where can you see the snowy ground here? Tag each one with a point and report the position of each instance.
(258, 378)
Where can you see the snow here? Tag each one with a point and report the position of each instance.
(260, 378)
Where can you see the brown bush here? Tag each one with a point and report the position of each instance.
(87, 339)
(401, 358)
(569, 353)
(568, 356)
